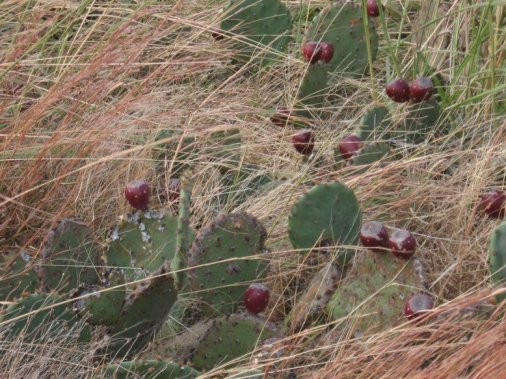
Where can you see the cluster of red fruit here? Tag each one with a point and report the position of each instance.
(418, 90)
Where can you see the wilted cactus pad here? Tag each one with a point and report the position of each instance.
(373, 293)
(261, 29)
(150, 369)
(222, 285)
(69, 256)
(328, 215)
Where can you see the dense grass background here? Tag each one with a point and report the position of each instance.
(85, 86)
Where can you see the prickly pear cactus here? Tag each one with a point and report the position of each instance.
(143, 313)
(103, 305)
(343, 26)
(373, 293)
(312, 92)
(328, 215)
(259, 30)
(375, 124)
(175, 155)
(39, 317)
(69, 256)
(229, 236)
(16, 276)
(231, 337)
(150, 369)
(311, 304)
(142, 243)
(497, 257)
(420, 122)
(370, 153)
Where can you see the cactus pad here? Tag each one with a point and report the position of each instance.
(497, 257)
(143, 313)
(47, 321)
(228, 236)
(258, 29)
(231, 337)
(150, 369)
(16, 276)
(420, 122)
(373, 293)
(343, 26)
(104, 306)
(328, 215)
(143, 243)
(370, 153)
(179, 158)
(375, 124)
(69, 256)
(312, 92)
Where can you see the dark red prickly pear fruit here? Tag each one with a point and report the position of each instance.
(174, 189)
(303, 142)
(280, 117)
(398, 90)
(256, 298)
(417, 304)
(137, 194)
(402, 243)
(217, 34)
(327, 51)
(421, 89)
(492, 203)
(372, 8)
(312, 51)
(374, 235)
(350, 145)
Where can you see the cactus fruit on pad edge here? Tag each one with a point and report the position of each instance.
(343, 27)
(47, 321)
(69, 256)
(229, 236)
(16, 276)
(231, 337)
(326, 216)
(143, 243)
(257, 29)
(143, 313)
(149, 369)
(497, 257)
(372, 295)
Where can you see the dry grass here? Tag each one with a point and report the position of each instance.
(86, 86)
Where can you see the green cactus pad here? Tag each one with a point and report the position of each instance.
(373, 293)
(150, 369)
(312, 92)
(143, 243)
(223, 148)
(497, 257)
(419, 123)
(222, 285)
(143, 313)
(257, 29)
(168, 153)
(16, 276)
(343, 26)
(69, 257)
(375, 124)
(328, 215)
(231, 337)
(370, 153)
(47, 321)
(311, 304)
(103, 307)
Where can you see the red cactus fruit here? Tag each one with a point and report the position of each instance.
(374, 235)
(217, 34)
(418, 304)
(303, 142)
(137, 194)
(256, 298)
(280, 117)
(372, 8)
(312, 51)
(421, 89)
(398, 90)
(349, 146)
(493, 203)
(402, 243)
(327, 51)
